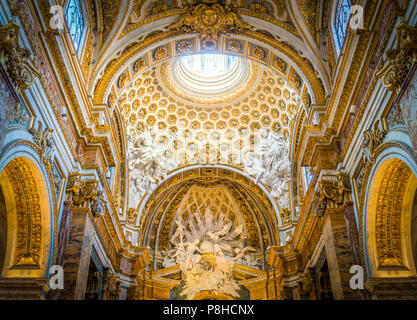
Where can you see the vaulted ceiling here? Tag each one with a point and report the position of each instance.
(132, 64)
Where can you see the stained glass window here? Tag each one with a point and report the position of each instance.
(341, 22)
(75, 21)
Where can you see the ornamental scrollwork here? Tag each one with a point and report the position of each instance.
(209, 21)
(396, 116)
(86, 194)
(400, 60)
(373, 139)
(131, 216)
(98, 204)
(15, 59)
(43, 138)
(332, 193)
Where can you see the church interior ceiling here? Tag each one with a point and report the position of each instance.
(208, 147)
(151, 70)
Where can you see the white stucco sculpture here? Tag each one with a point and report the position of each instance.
(206, 248)
(270, 164)
(148, 164)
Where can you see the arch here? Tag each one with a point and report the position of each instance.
(28, 219)
(277, 56)
(172, 179)
(387, 223)
(253, 209)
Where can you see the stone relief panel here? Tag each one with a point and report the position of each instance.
(148, 165)
(270, 164)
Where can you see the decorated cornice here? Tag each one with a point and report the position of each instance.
(364, 99)
(162, 10)
(335, 115)
(23, 10)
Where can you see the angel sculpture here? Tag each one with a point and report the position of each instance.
(200, 239)
(148, 163)
(245, 256)
(270, 165)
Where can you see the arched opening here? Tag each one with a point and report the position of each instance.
(26, 210)
(391, 220)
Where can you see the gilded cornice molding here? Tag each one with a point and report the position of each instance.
(372, 139)
(349, 87)
(82, 128)
(43, 138)
(24, 12)
(364, 103)
(134, 25)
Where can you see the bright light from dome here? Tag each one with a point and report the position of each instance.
(210, 75)
(208, 65)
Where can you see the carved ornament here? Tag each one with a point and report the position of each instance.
(86, 194)
(209, 21)
(332, 194)
(16, 59)
(43, 138)
(400, 60)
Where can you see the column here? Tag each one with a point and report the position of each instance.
(338, 253)
(77, 255)
(333, 198)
